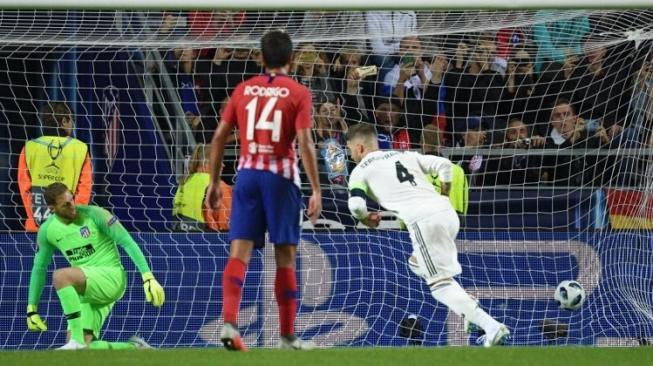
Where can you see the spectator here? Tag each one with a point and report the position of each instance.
(476, 88)
(330, 137)
(554, 82)
(339, 23)
(520, 84)
(567, 131)
(218, 74)
(209, 24)
(641, 104)
(390, 126)
(600, 82)
(409, 73)
(183, 66)
(311, 70)
(255, 55)
(459, 192)
(515, 169)
(407, 81)
(356, 93)
(189, 207)
(385, 30)
(471, 161)
(640, 120)
(435, 92)
(558, 40)
(330, 124)
(172, 24)
(54, 157)
(509, 41)
(230, 162)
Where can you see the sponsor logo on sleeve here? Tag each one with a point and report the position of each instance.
(112, 220)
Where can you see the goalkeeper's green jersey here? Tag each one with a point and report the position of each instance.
(90, 241)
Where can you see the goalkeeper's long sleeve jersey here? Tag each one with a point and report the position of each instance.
(90, 240)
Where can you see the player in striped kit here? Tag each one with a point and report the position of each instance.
(271, 112)
(397, 181)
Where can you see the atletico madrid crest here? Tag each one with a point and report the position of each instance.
(85, 232)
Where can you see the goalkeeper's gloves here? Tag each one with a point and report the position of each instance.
(153, 291)
(34, 321)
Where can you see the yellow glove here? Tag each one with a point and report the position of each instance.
(153, 291)
(34, 321)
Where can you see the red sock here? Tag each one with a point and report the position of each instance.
(285, 289)
(232, 289)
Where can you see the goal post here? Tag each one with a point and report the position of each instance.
(549, 113)
(318, 5)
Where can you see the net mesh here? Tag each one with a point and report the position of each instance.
(548, 113)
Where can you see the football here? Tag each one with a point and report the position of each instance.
(570, 295)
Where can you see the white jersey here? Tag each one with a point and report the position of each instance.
(397, 181)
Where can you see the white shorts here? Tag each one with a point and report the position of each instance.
(434, 247)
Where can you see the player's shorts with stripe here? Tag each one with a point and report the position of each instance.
(262, 201)
(104, 286)
(434, 246)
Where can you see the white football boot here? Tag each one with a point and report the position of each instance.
(72, 345)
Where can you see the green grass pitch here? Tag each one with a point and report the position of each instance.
(436, 356)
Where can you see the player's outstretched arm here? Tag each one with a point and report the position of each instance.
(309, 161)
(37, 281)
(111, 227)
(357, 202)
(437, 165)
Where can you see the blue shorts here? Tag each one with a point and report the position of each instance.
(264, 200)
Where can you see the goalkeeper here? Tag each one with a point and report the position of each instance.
(88, 236)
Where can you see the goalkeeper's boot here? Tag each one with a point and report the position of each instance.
(295, 343)
(72, 345)
(139, 342)
(496, 336)
(230, 337)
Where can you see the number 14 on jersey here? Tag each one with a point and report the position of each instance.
(263, 122)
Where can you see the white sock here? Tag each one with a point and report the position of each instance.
(451, 294)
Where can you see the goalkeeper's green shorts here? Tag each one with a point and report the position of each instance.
(104, 286)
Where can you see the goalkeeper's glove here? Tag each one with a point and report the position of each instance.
(34, 321)
(153, 291)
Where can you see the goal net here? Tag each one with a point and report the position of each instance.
(547, 113)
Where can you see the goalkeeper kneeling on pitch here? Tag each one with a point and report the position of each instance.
(88, 237)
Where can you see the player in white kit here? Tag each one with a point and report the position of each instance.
(397, 181)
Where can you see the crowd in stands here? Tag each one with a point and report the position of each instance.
(555, 85)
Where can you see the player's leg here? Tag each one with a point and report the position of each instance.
(233, 278)
(247, 231)
(104, 286)
(69, 283)
(283, 208)
(436, 254)
(285, 288)
(94, 318)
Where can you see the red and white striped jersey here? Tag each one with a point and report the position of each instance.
(268, 110)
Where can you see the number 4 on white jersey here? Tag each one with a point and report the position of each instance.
(263, 122)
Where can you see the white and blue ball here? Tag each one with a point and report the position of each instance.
(570, 295)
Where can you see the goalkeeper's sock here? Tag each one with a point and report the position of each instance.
(111, 345)
(451, 294)
(232, 289)
(72, 308)
(285, 290)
